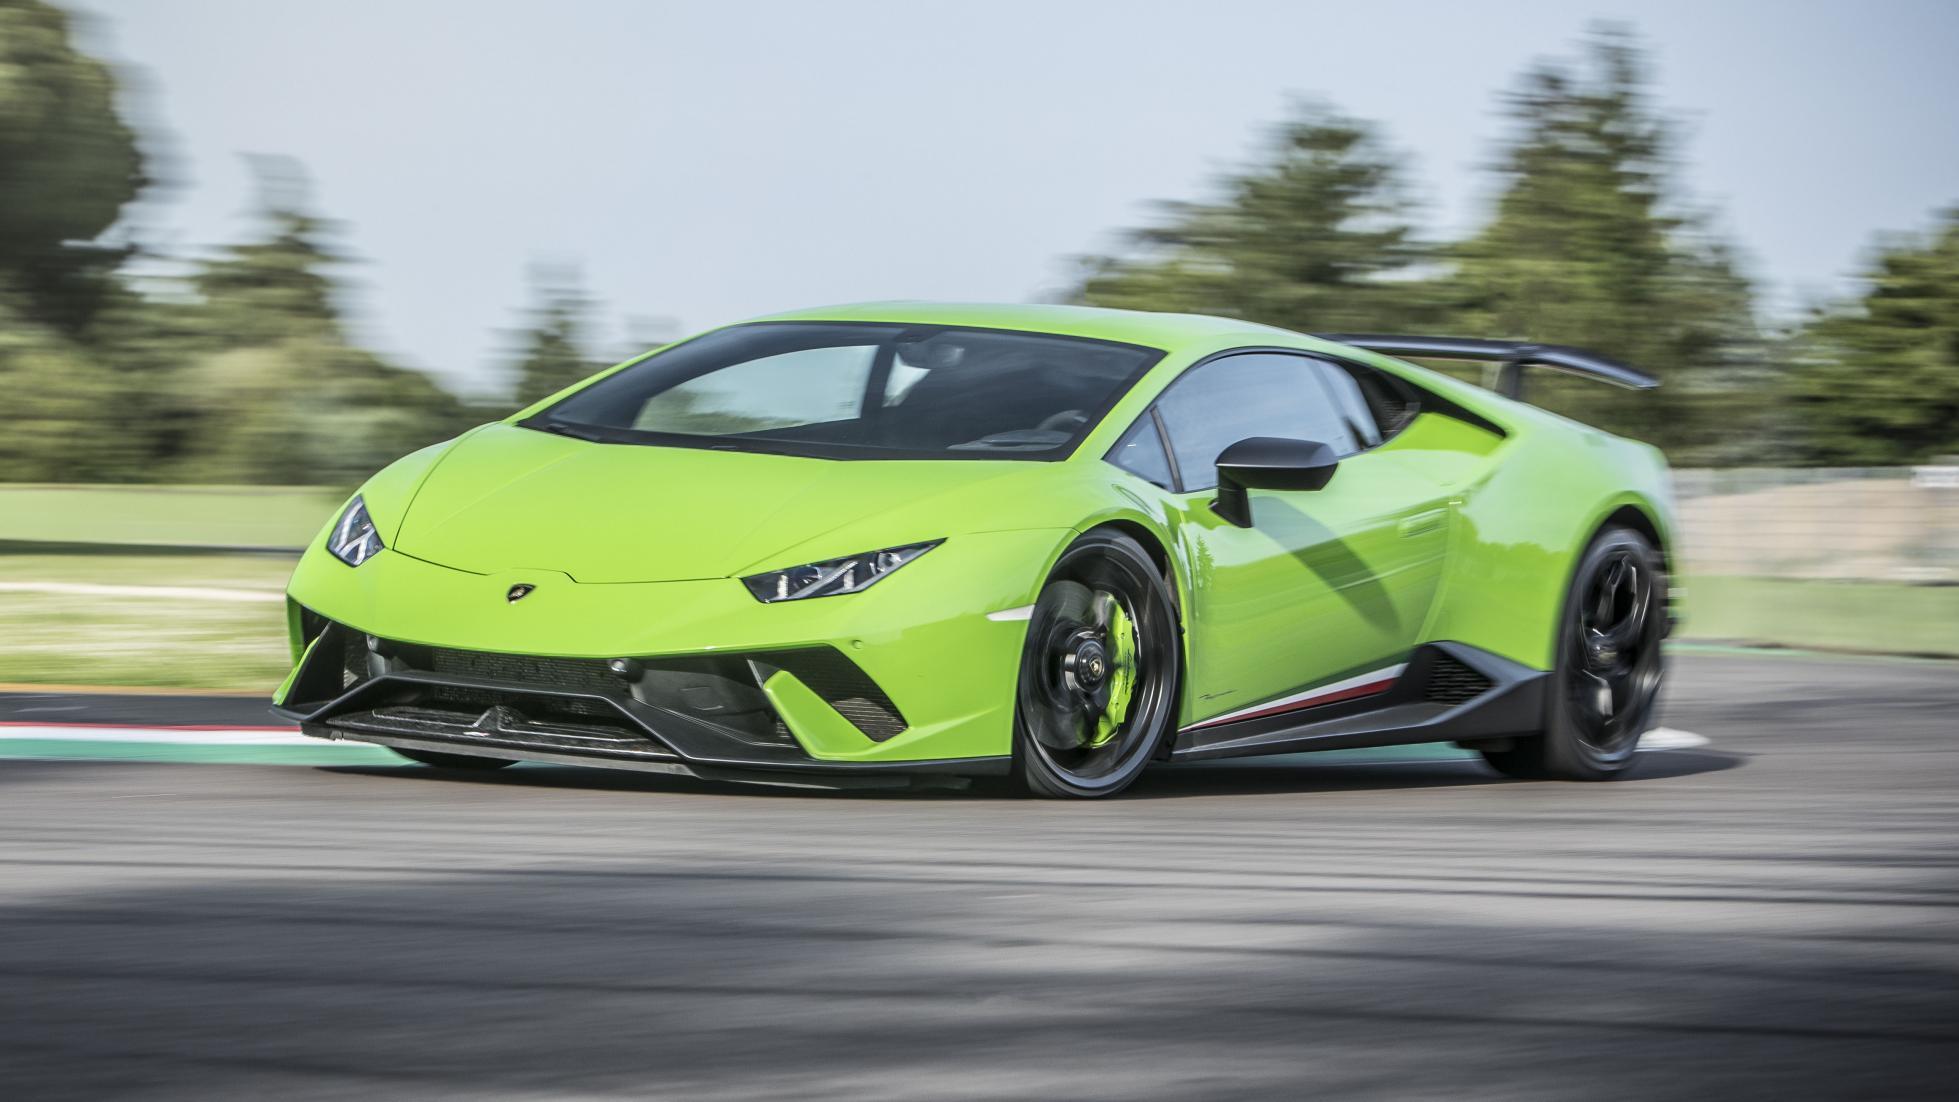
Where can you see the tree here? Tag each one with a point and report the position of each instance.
(67, 166)
(68, 163)
(58, 398)
(1316, 236)
(553, 352)
(281, 394)
(1877, 381)
(1587, 245)
(281, 284)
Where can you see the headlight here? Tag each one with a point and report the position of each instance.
(354, 540)
(826, 579)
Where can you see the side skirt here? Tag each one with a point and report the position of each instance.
(1446, 692)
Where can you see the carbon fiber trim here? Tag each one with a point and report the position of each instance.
(1452, 682)
(843, 685)
(719, 689)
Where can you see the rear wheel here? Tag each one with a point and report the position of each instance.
(1098, 673)
(1609, 666)
(452, 761)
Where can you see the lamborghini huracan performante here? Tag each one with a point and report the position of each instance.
(875, 544)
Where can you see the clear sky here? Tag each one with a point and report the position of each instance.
(704, 162)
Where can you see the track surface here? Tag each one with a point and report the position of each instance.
(1772, 917)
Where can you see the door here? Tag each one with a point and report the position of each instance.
(1326, 584)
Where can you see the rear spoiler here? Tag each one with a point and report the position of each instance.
(1511, 357)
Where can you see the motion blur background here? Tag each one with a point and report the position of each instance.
(251, 252)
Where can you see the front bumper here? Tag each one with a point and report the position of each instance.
(910, 676)
(704, 715)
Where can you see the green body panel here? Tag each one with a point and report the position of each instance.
(922, 634)
(1446, 532)
(1330, 581)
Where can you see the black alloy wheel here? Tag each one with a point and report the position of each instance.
(1610, 666)
(1098, 673)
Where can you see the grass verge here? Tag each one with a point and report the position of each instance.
(1872, 617)
(195, 516)
(74, 639)
(171, 642)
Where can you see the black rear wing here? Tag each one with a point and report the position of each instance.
(1511, 357)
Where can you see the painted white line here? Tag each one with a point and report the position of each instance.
(174, 592)
(157, 734)
(1667, 738)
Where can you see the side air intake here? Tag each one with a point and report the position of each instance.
(1451, 682)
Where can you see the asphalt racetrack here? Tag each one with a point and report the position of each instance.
(1774, 915)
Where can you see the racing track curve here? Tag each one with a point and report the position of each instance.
(1772, 916)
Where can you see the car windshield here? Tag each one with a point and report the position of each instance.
(859, 390)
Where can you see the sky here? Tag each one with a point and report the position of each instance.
(705, 162)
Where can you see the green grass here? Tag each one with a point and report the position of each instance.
(180, 516)
(89, 639)
(86, 639)
(1879, 617)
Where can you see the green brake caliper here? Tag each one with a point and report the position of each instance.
(1120, 638)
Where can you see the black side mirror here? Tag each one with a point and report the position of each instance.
(1268, 463)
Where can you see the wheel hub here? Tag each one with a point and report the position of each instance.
(1085, 668)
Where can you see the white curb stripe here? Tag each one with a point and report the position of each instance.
(1667, 738)
(157, 734)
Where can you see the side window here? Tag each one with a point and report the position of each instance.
(1217, 404)
(1140, 452)
(1350, 403)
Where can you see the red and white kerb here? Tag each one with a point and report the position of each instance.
(1353, 688)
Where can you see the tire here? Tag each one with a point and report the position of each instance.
(1098, 679)
(1609, 669)
(453, 761)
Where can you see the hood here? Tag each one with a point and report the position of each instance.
(507, 498)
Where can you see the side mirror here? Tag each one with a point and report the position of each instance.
(1268, 463)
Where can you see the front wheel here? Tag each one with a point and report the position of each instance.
(1098, 674)
(1609, 666)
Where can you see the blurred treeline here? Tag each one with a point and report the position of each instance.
(234, 367)
(238, 366)
(1591, 241)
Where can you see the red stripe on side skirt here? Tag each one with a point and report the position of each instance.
(1352, 692)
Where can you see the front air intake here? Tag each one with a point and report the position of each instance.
(843, 686)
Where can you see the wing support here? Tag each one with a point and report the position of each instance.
(1510, 358)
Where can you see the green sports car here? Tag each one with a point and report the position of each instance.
(874, 544)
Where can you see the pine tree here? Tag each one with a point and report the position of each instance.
(553, 352)
(1588, 245)
(1314, 237)
(282, 394)
(1878, 379)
